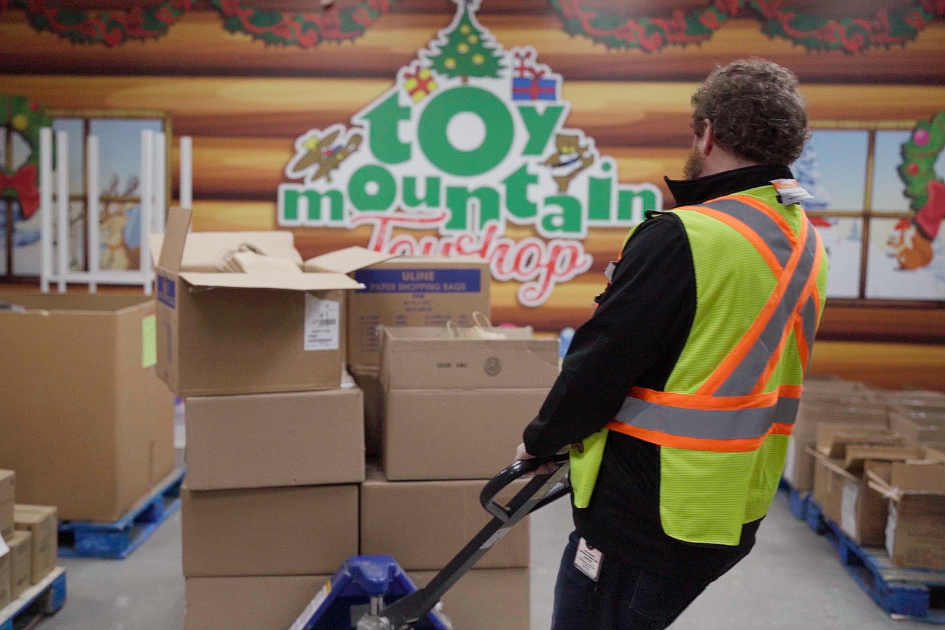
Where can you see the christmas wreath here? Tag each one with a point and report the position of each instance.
(919, 154)
(300, 29)
(25, 119)
(694, 26)
(102, 27)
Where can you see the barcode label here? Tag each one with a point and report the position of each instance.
(321, 323)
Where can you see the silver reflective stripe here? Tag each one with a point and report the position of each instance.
(744, 377)
(759, 223)
(710, 424)
(809, 321)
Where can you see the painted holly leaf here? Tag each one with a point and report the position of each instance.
(919, 155)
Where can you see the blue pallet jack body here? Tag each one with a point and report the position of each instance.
(374, 593)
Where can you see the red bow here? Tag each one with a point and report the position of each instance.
(23, 182)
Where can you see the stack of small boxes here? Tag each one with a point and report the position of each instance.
(28, 547)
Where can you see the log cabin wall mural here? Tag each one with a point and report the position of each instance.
(531, 132)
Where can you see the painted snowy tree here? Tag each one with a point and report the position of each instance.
(468, 49)
(807, 172)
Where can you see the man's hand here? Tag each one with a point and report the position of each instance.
(545, 469)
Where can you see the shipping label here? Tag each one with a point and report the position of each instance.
(419, 280)
(322, 326)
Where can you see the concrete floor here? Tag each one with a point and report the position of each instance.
(791, 580)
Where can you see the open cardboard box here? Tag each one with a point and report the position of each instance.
(249, 333)
(915, 530)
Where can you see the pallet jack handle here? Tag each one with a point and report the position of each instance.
(542, 489)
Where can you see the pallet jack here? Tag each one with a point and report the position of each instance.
(374, 593)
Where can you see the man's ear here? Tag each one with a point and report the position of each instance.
(707, 141)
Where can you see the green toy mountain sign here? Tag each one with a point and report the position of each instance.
(469, 140)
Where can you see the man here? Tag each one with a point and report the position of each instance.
(679, 394)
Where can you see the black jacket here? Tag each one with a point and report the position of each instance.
(633, 339)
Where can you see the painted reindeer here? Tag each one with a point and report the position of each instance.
(113, 220)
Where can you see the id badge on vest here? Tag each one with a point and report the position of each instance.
(587, 560)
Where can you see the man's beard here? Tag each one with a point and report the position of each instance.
(695, 164)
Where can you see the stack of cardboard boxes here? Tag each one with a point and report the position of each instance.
(277, 430)
(880, 482)
(454, 404)
(28, 542)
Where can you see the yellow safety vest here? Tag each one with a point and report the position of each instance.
(730, 403)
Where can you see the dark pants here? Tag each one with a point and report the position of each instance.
(623, 597)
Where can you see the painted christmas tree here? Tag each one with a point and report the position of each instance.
(467, 50)
(807, 173)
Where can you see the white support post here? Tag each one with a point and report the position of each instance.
(93, 201)
(186, 195)
(147, 199)
(62, 206)
(160, 182)
(45, 205)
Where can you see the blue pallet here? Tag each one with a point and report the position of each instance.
(44, 598)
(914, 594)
(797, 500)
(114, 541)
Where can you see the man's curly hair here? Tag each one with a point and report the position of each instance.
(756, 111)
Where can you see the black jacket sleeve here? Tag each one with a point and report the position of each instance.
(634, 338)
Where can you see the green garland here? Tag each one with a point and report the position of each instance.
(26, 119)
(113, 28)
(850, 35)
(919, 155)
(101, 27)
(300, 29)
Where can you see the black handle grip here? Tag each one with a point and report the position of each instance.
(516, 471)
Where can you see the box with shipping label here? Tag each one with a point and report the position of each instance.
(424, 524)
(270, 440)
(305, 530)
(414, 292)
(271, 327)
(915, 529)
(7, 499)
(485, 599)
(847, 500)
(6, 582)
(368, 380)
(865, 410)
(81, 402)
(21, 562)
(42, 524)
(453, 434)
(259, 603)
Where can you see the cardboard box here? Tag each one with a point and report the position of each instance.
(306, 530)
(424, 524)
(21, 562)
(41, 522)
(915, 530)
(455, 402)
(7, 499)
(486, 599)
(269, 440)
(414, 292)
(368, 380)
(864, 410)
(249, 333)
(452, 434)
(6, 583)
(919, 426)
(847, 500)
(86, 424)
(256, 603)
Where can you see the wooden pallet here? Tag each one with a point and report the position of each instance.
(797, 500)
(117, 540)
(915, 594)
(39, 600)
